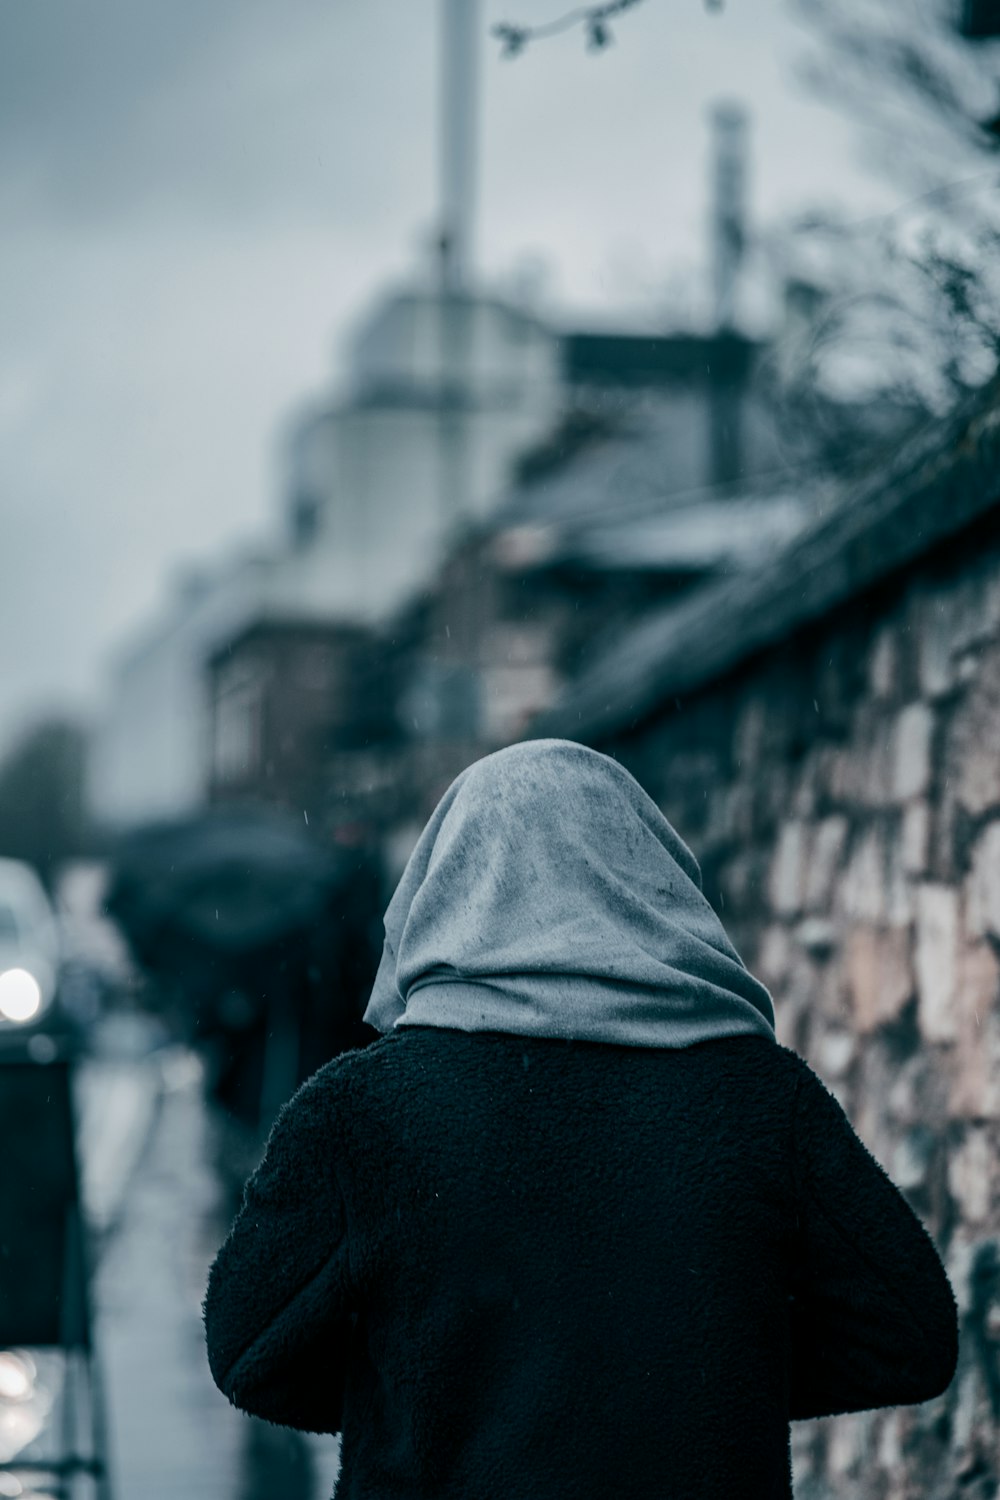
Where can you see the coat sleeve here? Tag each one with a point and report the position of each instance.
(278, 1313)
(872, 1316)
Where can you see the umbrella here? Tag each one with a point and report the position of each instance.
(232, 881)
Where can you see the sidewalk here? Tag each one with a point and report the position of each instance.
(154, 1194)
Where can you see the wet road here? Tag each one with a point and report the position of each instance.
(159, 1202)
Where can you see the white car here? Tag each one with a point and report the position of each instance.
(29, 947)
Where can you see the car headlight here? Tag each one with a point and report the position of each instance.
(25, 1407)
(20, 995)
(17, 1376)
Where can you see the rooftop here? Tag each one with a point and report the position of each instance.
(936, 485)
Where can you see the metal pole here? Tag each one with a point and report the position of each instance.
(729, 170)
(460, 21)
(100, 1447)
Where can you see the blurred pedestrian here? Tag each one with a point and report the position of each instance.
(576, 1225)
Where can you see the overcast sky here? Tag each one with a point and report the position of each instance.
(198, 197)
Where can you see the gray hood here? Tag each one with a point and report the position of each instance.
(549, 896)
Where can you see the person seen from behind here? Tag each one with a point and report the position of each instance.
(575, 1225)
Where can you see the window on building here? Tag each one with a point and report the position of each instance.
(237, 748)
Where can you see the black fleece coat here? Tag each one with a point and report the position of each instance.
(509, 1268)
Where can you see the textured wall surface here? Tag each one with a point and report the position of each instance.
(842, 792)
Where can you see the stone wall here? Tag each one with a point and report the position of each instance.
(842, 792)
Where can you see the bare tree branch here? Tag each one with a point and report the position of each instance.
(592, 18)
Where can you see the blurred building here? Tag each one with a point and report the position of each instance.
(153, 751)
(259, 676)
(665, 472)
(487, 497)
(148, 755)
(285, 695)
(443, 391)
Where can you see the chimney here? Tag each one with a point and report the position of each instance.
(729, 171)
